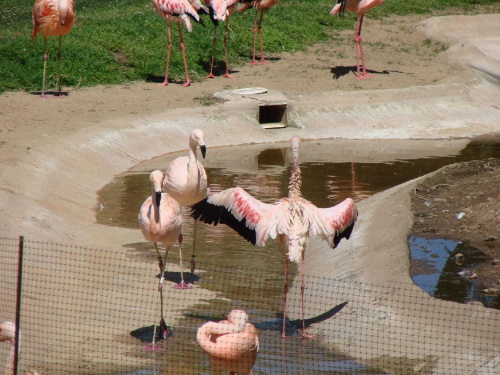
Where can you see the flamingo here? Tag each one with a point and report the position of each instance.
(160, 220)
(8, 333)
(360, 7)
(186, 180)
(52, 18)
(264, 6)
(293, 218)
(222, 9)
(231, 344)
(180, 11)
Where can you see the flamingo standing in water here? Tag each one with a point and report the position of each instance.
(160, 220)
(8, 333)
(52, 18)
(231, 344)
(263, 6)
(293, 218)
(186, 180)
(179, 11)
(360, 7)
(222, 9)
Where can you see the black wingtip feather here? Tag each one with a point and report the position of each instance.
(214, 215)
(345, 234)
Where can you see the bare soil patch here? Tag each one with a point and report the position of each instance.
(461, 202)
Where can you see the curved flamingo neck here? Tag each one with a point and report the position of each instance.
(192, 167)
(296, 177)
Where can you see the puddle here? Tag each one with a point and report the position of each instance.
(332, 170)
(444, 269)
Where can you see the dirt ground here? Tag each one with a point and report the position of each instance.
(395, 51)
(462, 203)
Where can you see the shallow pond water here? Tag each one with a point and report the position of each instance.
(332, 170)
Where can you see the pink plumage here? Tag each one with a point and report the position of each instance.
(52, 18)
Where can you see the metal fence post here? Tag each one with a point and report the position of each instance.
(18, 301)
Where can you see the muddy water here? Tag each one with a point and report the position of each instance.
(332, 170)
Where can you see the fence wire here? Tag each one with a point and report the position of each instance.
(87, 311)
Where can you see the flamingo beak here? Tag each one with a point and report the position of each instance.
(203, 149)
(158, 198)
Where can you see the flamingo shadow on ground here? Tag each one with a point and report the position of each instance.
(51, 93)
(340, 71)
(292, 327)
(145, 334)
(160, 79)
(272, 59)
(219, 68)
(175, 277)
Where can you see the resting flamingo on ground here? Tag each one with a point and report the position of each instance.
(8, 333)
(160, 220)
(360, 7)
(293, 218)
(231, 344)
(179, 11)
(52, 18)
(222, 10)
(263, 6)
(186, 180)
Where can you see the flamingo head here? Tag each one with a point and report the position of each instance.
(156, 178)
(238, 318)
(197, 139)
(7, 331)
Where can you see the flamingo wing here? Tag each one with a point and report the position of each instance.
(335, 223)
(176, 8)
(235, 208)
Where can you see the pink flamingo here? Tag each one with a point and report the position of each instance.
(52, 18)
(231, 344)
(360, 7)
(186, 180)
(293, 218)
(222, 9)
(264, 6)
(160, 220)
(179, 11)
(8, 333)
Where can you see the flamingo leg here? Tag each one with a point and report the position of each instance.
(188, 81)
(302, 288)
(45, 58)
(193, 261)
(359, 50)
(162, 326)
(254, 37)
(59, 64)
(283, 334)
(169, 47)
(262, 60)
(182, 284)
(211, 75)
(227, 75)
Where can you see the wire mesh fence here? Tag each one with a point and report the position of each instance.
(88, 311)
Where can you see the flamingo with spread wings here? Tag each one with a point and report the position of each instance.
(294, 219)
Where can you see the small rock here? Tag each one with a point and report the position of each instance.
(490, 238)
(490, 291)
(460, 215)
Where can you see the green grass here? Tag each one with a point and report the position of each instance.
(117, 41)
